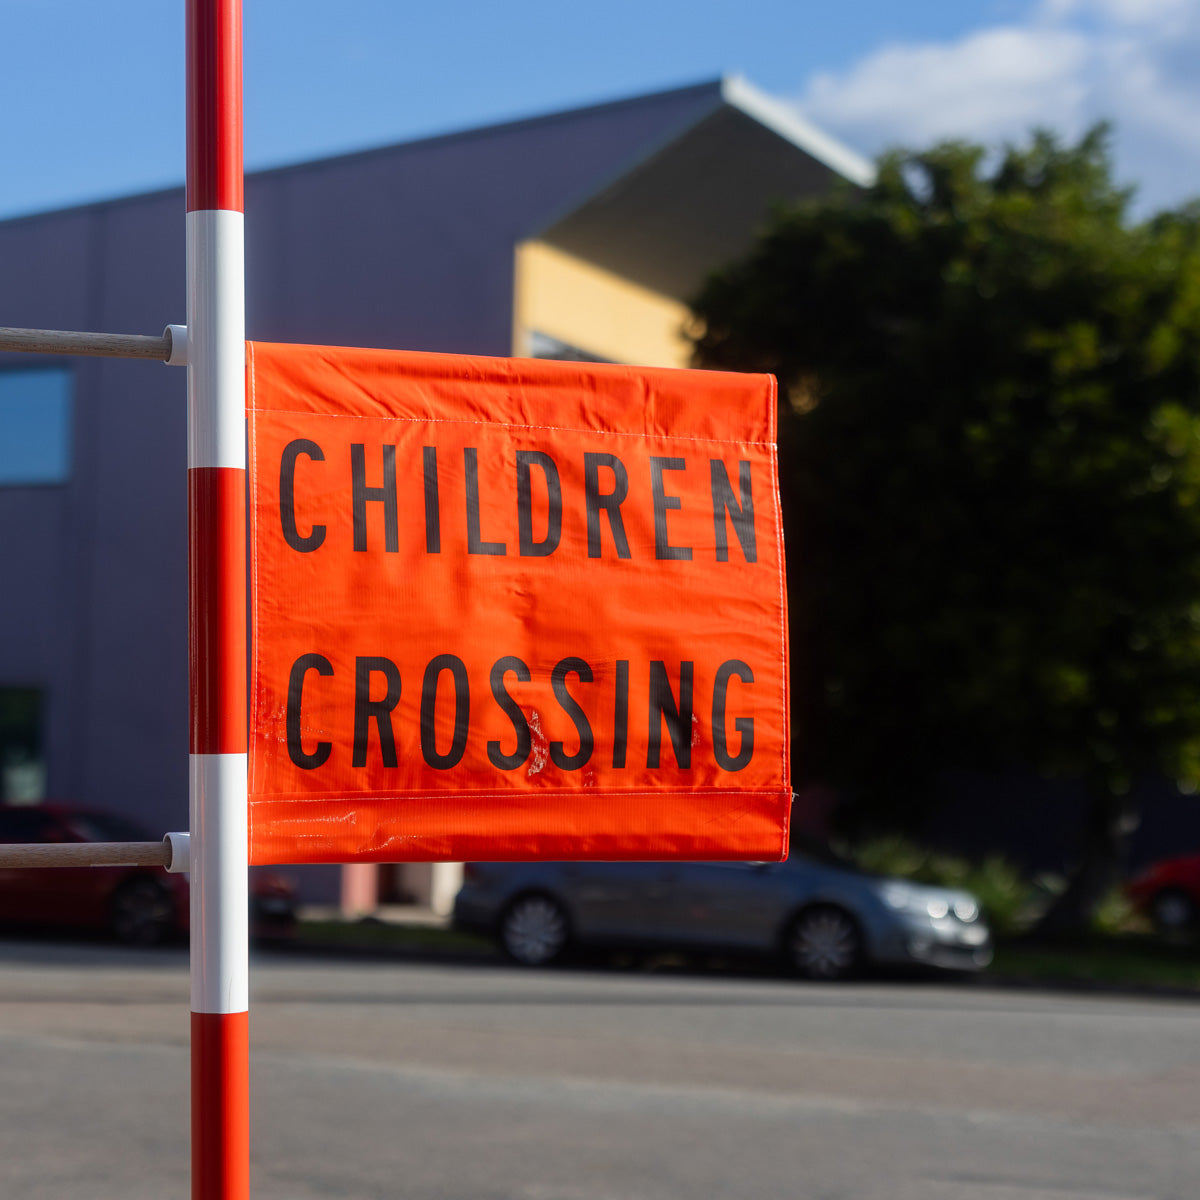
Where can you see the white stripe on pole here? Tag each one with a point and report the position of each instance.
(220, 902)
(216, 352)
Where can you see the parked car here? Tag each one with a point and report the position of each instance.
(826, 918)
(137, 905)
(1168, 892)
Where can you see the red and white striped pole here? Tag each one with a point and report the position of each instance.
(217, 593)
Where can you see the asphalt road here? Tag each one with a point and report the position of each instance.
(403, 1080)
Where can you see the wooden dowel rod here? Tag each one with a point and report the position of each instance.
(87, 854)
(107, 345)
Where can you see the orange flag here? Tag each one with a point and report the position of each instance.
(513, 609)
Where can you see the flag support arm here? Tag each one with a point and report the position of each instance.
(169, 347)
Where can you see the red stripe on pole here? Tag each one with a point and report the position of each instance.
(220, 1106)
(217, 625)
(214, 105)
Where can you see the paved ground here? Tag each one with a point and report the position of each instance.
(481, 1083)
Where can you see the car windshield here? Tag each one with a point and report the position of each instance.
(811, 849)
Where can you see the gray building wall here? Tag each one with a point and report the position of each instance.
(409, 246)
(93, 610)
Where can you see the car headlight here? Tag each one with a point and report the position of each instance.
(905, 897)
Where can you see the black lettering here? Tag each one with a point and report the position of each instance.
(287, 497)
(610, 502)
(385, 495)
(295, 698)
(742, 515)
(621, 714)
(530, 548)
(508, 762)
(678, 716)
(475, 544)
(433, 511)
(558, 679)
(462, 711)
(744, 725)
(663, 502)
(381, 710)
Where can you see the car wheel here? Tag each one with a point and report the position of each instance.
(824, 943)
(142, 913)
(534, 930)
(1173, 911)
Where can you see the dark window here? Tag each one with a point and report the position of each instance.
(35, 425)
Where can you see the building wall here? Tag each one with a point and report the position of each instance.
(411, 246)
(99, 619)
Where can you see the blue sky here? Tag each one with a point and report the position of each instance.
(92, 91)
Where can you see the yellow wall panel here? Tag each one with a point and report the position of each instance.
(594, 310)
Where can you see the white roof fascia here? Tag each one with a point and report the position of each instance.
(782, 119)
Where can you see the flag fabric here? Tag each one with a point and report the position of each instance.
(511, 609)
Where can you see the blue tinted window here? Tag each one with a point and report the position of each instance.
(35, 425)
(542, 345)
(22, 766)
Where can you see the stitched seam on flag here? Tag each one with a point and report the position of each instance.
(784, 723)
(666, 437)
(252, 426)
(549, 793)
(776, 503)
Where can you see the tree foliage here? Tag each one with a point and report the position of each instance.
(990, 457)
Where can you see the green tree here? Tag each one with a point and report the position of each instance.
(990, 459)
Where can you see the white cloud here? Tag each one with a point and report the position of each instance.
(1069, 64)
(1161, 13)
(986, 84)
(1131, 12)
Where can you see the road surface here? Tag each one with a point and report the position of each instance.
(406, 1080)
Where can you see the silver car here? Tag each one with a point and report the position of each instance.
(826, 918)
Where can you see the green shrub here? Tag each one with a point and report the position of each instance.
(1115, 914)
(889, 855)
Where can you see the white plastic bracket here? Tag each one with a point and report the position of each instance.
(177, 337)
(181, 853)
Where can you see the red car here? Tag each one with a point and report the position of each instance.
(138, 905)
(1168, 892)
